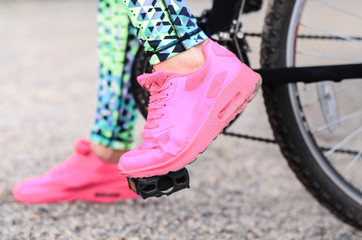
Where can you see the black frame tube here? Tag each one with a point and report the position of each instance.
(334, 73)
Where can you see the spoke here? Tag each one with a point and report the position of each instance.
(344, 141)
(330, 56)
(338, 8)
(337, 90)
(319, 29)
(345, 118)
(353, 161)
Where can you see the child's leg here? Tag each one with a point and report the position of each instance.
(164, 27)
(186, 111)
(116, 113)
(89, 173)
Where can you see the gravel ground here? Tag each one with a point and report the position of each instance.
(239, 189)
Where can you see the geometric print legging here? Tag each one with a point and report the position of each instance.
(164, 27)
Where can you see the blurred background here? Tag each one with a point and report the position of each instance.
(48, 81)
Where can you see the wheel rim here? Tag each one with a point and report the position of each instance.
(329, 111)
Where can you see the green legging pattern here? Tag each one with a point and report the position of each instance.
(117, 45)
(164, 27)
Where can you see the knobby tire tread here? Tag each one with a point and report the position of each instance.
(278, 109)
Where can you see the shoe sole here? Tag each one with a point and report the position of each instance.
(229, 103)
(105, 193)
(100, 193)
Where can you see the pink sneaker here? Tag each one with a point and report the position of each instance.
(186, 112)
(84, 176)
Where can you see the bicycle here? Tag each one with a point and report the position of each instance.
(304, 109)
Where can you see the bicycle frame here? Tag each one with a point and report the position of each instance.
(229, 28)
(334, 73)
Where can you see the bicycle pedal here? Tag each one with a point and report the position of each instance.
(157, 186)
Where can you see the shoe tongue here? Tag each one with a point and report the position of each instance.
(153, 81)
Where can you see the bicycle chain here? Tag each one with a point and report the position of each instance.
(318, 37)
(272, 141)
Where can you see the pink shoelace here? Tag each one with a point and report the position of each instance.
(155, 84)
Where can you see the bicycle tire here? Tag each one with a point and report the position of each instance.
(290, 127)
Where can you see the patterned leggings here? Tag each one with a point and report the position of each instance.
(164, 27)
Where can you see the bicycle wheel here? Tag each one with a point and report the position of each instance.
(318, 126)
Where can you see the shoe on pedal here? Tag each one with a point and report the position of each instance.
(84, 176)
(187, 111)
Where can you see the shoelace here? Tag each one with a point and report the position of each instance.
(154, 105)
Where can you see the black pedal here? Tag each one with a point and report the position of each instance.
(158, 186)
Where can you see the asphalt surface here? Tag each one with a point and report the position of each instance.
(48, 74)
